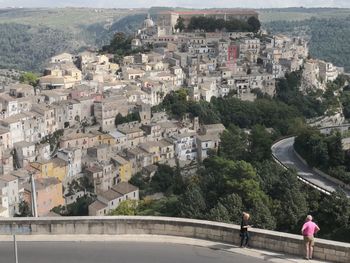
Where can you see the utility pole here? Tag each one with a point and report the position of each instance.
(15, 248)
(34, 205)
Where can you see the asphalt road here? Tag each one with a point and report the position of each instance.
(283, 151)
(116, 252)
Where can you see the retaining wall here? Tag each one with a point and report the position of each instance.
(262, 239)
(323, 174)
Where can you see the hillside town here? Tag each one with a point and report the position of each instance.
(88, 126)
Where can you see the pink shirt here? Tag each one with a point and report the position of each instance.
(309, 228)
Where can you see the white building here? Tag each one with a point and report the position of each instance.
(328, 72)
(9, 195)
(73, 157)
(110, 200)
(185, 146)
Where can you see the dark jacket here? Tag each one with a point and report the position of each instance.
(243, 224)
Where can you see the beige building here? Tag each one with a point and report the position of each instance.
(134, 134)
(167, 20)
(109, 200)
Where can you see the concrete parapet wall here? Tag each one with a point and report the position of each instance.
(220, 232)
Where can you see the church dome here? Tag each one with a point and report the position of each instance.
(148, 22)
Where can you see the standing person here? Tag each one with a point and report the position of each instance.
(308, 231)
(244, 230)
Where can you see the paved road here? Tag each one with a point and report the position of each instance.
(284, 152)
(117, 252)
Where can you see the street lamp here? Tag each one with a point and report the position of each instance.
(34, 204)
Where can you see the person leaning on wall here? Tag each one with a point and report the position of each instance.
(308, 231)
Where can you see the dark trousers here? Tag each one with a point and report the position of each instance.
(244, 238)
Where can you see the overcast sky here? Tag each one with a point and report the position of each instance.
(182, 3)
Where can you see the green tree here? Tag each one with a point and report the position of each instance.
(180, 24)
(335, 150)
(260, 144)
(29, 78)
(219, 213)
(205, 111)
(192, 203)
(79, 208)
(163, 179)
(133, 116)
(234, 206)
(312, 146)
(23, 210)
(234, 144)
(127, 208)
(334, 209)
(261, 215)
(120, 46)
(139, 181)
(254, 24)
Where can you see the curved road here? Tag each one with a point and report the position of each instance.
(284, 152)
(117, 252)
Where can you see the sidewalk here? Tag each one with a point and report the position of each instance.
(256, 253)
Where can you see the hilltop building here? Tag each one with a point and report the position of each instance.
(167, 20)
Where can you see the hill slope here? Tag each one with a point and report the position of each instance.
(28, 37)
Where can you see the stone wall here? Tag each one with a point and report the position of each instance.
(221, 232)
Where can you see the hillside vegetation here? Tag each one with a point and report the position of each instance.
(300, 14)
(28, 37)
(328, 32)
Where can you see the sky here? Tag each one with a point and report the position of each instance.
(176, 3)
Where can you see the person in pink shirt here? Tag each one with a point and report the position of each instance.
(308, 230)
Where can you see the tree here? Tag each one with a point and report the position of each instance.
(138, 181)
(23, 210)
(335, 209)
(119, 119)
(260, 144)
(180, 24)
(205, 111)
(261, 215)
(163, 179)
(79, 208)
(254, 24)
(192, 203)
(133, 116)
(290, 204)
(210, 24)
(120, 46)
(222, 177)
(234, 206)
(29, 78)
(335, 150)
(312, 146)
(234, 143)
(127, 208)
(219, 213)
